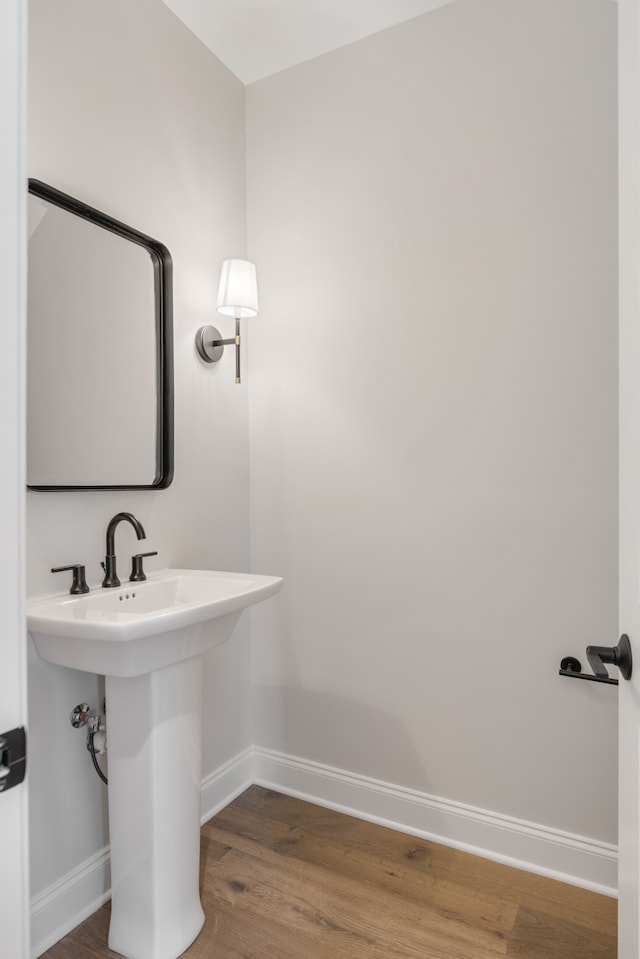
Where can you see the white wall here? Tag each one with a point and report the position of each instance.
(433, 406)
(129, 112)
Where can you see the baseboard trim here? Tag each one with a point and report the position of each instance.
(69, 901)
(225, 784)
(549, 852)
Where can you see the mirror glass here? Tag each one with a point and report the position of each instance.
(99, 350)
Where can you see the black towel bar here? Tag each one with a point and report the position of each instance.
(598, 656)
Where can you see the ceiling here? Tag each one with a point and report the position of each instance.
(255, 38)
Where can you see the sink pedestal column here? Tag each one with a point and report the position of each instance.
(154, 729)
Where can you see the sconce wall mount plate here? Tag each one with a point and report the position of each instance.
(205, 338)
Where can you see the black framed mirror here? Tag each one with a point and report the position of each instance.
(99, 350)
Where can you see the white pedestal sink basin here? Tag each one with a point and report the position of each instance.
(139, 627)
(147, 639)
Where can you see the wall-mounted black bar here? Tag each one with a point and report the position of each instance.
(575, 672)
(619, 656)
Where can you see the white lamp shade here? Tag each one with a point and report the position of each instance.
(238, 291)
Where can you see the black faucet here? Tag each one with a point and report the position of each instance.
(109, 565)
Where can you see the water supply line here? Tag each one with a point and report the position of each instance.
(86, 715)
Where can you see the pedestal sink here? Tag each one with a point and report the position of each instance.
(147, 639)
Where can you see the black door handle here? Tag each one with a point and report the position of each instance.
(598, 656)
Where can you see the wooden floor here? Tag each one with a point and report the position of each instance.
(283, 879)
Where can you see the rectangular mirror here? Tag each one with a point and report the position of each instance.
(99, 350)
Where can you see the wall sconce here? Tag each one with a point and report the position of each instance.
(237, 297)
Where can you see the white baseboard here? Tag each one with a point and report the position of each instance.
(529, 846)
(540, 849)
(226, 783)
(72, 899)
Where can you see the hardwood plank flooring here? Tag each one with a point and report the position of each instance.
(284, 879)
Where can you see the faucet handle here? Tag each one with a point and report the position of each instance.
(78, 582)
(137, 572)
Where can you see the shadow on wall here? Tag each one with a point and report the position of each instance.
(329, 742)
(335, 731)
(61, 774)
